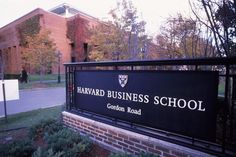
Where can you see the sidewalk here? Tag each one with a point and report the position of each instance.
(31, 99)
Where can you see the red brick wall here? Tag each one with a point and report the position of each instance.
(9, 42)
(58, 28)
(122, 140)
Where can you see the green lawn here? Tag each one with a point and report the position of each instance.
(27, 119)
(31, 85)
(221, 89)
(36, 77)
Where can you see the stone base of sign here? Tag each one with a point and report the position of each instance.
(117, 139)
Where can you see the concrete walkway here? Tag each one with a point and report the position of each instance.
(35, 99)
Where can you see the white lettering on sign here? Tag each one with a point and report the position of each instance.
(115, 107)
(128, 96)
(91, 91)
(122, 109)
(179, 103)
(194, 105)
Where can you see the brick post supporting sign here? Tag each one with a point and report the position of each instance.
(122, 140)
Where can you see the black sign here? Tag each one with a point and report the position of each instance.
(183, 102)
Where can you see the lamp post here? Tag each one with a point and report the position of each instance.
(59, 54)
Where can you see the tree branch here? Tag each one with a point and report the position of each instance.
(211, 24)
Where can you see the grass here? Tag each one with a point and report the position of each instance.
(49, 80)
(32, 85)
(221, 89)
(36, 77)
(27, 119)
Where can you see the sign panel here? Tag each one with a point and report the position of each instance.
(182, 102)
(11, 90)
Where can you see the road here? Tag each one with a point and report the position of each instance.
(35, 99)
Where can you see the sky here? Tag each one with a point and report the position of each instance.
(154, 12)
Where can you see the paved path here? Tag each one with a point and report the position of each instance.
(35, 99)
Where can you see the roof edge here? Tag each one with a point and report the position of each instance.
(18, 19)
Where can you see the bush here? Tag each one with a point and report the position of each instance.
(19, 148)
(68, 142)
(12, 76)
(47, 127)
(44, 152)
(59, 142)
(145, 154)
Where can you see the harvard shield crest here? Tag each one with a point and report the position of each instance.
(123, 79)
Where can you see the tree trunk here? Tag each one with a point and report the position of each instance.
(41, 74)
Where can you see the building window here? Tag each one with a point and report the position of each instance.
(85, 52)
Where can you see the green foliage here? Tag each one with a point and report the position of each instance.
(120, 155)
(29, 27)
(146, 154)
(32, 85)
(182, 37)
(125, 17)
(11, 76)
(108, 39)
(31, 118)
(45, 127)
(19, 148)
(68, 142)
(59, 141)
(40, 152)
(96, 56)
(39, 52)
(36, 77)
(120, 39)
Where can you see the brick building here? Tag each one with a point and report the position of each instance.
(69, 31)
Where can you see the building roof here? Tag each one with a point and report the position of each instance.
(63, 10)
(18, 20)
(68, 11)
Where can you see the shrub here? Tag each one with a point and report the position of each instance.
(145, 154)
(60, 142)
(44, 127)
(19, 148)
(40, 152)
(68, 142)
(120, 155)
(12, 76)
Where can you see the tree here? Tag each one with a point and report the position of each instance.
(125, 17)
(221, 21)
(28, 27)
(39, 52)
(182, 37)
(123, 37)
(107, 40)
